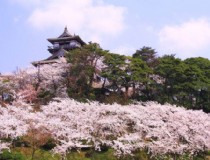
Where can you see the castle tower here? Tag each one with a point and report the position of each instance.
(65, 42)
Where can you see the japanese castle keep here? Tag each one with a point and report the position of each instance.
(60, 45)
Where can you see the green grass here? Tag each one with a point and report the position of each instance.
(24, 153)
(6, 155)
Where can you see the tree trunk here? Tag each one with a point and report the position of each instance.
(33, 153)
(134, 90)
(126, 92)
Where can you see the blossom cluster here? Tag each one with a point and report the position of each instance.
(159, 129)
(26, 84)
(3, 146)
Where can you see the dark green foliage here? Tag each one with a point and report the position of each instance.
(208, 153)
(125, 72)
(181, 82)
(186, 83)
(171, 69)
(49, 145)
(44, 96)
(200, 82)
(148, 55)
(6, 155)
(83, 69)
(19, 142)
(106, 153)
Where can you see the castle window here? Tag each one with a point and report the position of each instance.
(74, 44)
(56, 45)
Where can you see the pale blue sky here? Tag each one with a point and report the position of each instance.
(180, 27)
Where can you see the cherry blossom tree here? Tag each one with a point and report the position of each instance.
(3, 146)
(36, 137)
(26, 84)
(28, 94)
(159, 129)
(7, 89)
(53, 78)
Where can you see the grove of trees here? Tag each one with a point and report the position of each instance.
(143, 76)
(151, 127)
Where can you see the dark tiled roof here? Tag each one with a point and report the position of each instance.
(65, 33)
(65, 37)
(37, 63)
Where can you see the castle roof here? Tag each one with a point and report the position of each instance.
(66, 36)
(65, 33)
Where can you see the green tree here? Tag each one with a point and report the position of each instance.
(185, 83)
(139, 72)
(197, 82)
(148, 55)
(84, 66)
(114, 70)
(171, 70)
(125, 72)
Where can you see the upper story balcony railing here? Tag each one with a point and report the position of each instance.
(64, 46)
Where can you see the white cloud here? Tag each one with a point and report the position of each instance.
(79, 15)
(124, 50)
(185, 40)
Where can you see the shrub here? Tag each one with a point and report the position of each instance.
(6, 155)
